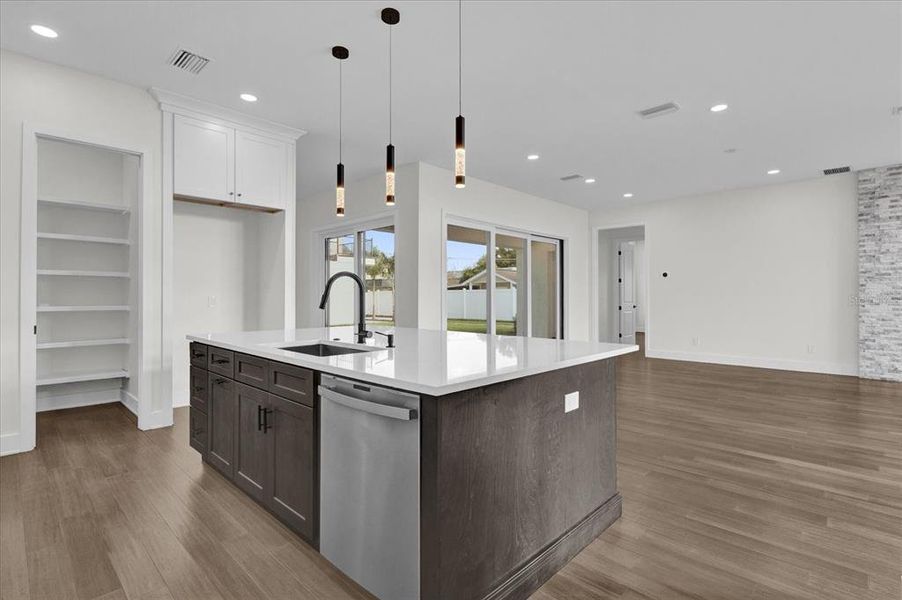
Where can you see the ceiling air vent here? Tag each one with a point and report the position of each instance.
(188, 61)
(571, 177)
(837, 170)
(659, 111)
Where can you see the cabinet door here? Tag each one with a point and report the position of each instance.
(204, 160)
(261, 170)
(198, 389)
(252, 453)
(197, 425)
(292, 465)
(222, 409)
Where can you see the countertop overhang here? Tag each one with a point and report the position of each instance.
(423, 360)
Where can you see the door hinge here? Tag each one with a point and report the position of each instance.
(619, 335)
(618, 253)
(619, 280)
(619, 308)
(35, 329)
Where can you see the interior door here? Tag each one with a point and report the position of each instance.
(626, 279)
(204, 160)
(261, 170)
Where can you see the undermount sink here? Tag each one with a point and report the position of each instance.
(325, 349)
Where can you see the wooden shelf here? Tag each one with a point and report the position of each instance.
(73, 308)
(76, 377)
(84, 343)
(76, 273)
(83, 205)
(82, 238)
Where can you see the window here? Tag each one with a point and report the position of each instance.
(518, 292)
(369, 253)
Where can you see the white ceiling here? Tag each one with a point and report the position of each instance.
(810, 85)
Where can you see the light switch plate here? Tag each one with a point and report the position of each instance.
(571, 401)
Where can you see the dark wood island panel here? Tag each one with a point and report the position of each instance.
(512, 487)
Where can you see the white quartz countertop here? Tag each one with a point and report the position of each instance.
(423, 360)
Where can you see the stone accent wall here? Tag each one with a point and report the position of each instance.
(880, 273)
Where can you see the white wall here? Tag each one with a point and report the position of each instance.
(499, 205)
(757, 275)
(43, 94)
(217, 260)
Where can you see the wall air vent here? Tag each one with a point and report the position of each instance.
(188, 61)
(571, 177)
(837, 170)
(659, 111)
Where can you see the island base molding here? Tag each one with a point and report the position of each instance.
(552, 559)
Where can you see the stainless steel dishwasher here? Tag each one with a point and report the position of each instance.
(370, 485)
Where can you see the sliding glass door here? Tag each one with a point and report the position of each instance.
(369, 253)
(517, 292)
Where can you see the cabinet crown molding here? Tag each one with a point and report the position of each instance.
(179, 104)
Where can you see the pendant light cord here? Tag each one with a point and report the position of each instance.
(339, 109)
(459, 58)
(389, 84)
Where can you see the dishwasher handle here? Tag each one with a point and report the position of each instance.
(383, 410)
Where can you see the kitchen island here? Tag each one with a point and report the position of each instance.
(450, 466)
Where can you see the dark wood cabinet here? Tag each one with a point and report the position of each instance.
(252, 455)
(221, 361)
(198, 354)
(264, 442)
(252, 370)
(292, 466)
(198, 389)
(197, 424)
(222, 409)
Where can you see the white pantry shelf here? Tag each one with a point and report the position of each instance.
(77, 273)
(81, 204)
(84, 343)
(76, 377)
(69, 237)
(61, 308)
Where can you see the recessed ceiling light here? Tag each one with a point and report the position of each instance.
(719, 108)
(590, 180)
(773, 171)
(532, 157)
(43, 31)
(730, 151)
(627, 195)
(248, 97)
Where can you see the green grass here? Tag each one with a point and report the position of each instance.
(479, 326)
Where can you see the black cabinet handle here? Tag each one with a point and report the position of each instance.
(197, 390)
(220, 361)
(220, 381)
(266, 425)
(260, 413)
(197, 354)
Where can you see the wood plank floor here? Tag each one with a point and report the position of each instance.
(737, 483)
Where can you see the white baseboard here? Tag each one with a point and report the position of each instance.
(76, 400)
(180, 400)
(156, 420)
(129, 401)
(10, 443)
(761, 363)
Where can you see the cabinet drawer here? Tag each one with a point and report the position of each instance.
(291, 382)
(198, 355)
(220, 361)
(252, 370)
(197, 430)
(198, 389)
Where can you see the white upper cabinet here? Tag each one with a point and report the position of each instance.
(219, 163)
(204, 160)
(261, 170)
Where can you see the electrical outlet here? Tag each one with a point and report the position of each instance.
(211, 301)
(571, 401)
(695, 341)
(810, 348)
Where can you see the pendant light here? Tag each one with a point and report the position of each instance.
(341, 53)
(390, 17)
(460, 159)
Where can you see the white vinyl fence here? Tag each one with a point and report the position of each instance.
(384, 301)
(470, 304)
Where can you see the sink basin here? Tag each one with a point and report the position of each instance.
(325, 349)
